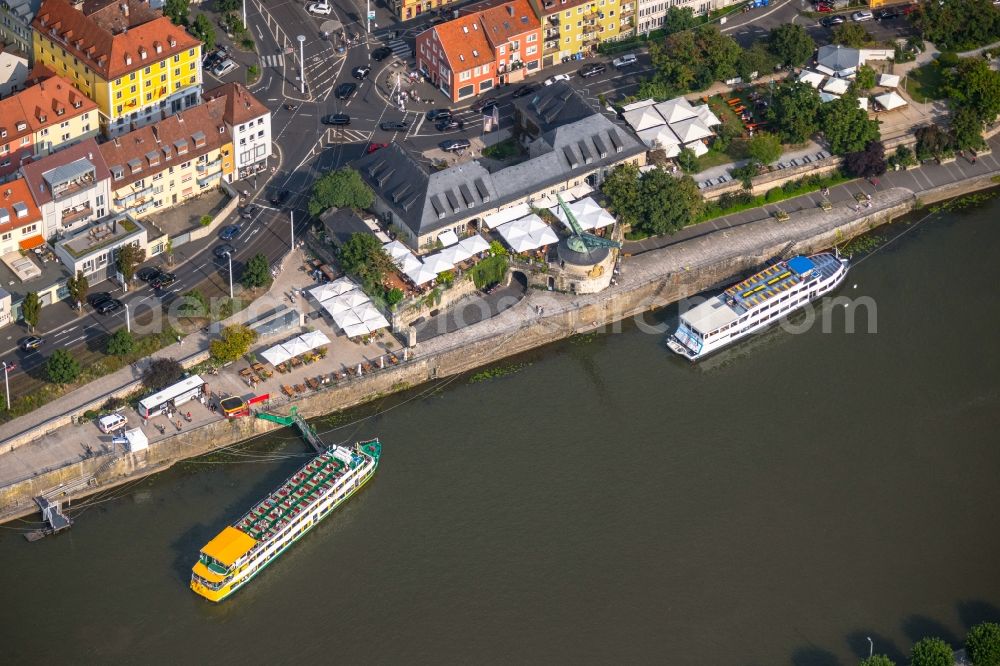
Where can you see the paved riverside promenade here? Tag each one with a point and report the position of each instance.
(547, 315)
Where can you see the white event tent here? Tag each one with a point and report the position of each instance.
(836, 86)
(527, 233)
(587, 213)
(890, 100)
(300, 345)
(889, 80)
(332, 289)
(812, 78)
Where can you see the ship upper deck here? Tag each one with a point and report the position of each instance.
(769, 282)
(300, 490)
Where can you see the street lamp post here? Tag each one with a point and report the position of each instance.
(871, 647)
(6, 385)
(302, 63)
(128, 321)
(229, 256)
(291, 214)
(368, 15)
(246, 26)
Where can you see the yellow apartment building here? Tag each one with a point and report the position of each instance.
(578, 26)
(134, 63)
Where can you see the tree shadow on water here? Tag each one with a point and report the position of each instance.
(857, 643)
(814, 656)
(920, 626)
(975, 611)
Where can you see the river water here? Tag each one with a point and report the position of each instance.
(607, 503)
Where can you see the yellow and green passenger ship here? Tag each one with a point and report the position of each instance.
(241, 551)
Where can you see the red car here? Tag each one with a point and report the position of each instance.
(372, 147)
(824, 8)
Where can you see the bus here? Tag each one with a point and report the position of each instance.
(171, 397)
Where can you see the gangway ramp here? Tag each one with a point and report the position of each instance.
(296, 419)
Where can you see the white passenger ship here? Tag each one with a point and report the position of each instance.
(755, 303)
(239, 552)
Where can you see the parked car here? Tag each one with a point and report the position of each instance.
(229, 232)
(109, 306)
(221, 251)
(96, 297)
(438, 114)
(831, 21)
(481, 104)
(454, 145)
(592, 69)
(381, 53)
(225, 67)
(449, 124)
(30, 343)
(146, 274)
(394, 126)
(626, 60)
(361, 72)
(372, 147)
(99, 301)
(279, 198)
(558, 77)
(320, 8)
(249, 211)
(524, 90)
(336, 119)
(890, 13)
(826, 8)
(345, 90)
(165, 280)
(112, 422)
(862, 16)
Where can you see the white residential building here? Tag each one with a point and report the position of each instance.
(249, 123)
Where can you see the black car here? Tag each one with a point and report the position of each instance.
(30, 343)
(164, 281)
(523, 90)
(221, 251)
(483, 104)
(831, 21)
(96, 297)
(249, 211)
(345, 90)
(890, 13)
(279, 198)
(229, 232)
(593, 69)
(488, 109)
(449, 124)
(381, 53)
(361, 72)
(438, 114)
(336, 119)
(453, 145)
(108, 306)
(147, 274)
(394, 126)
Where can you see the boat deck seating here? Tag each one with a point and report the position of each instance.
(763, 285)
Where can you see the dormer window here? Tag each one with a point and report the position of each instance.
(60, 111)
(117, 172)
(171, 41)
(77, 103)
(142, 53)
(158, 46)
(128, 59)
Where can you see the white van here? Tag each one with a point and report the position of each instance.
(111, 423)
(625, 61)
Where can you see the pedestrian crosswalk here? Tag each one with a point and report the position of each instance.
(346, 135)
(273, 60)
(400, 48)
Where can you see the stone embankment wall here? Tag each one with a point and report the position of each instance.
(660, 288)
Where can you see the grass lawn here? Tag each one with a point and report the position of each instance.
(926, 83)
(713, 158)
(506, 149)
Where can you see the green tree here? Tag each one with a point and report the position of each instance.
(791, 44)
(177, 11)
(343, 188)
(121, 343)
(877, 660)
(233, 342)
(764, 147)
(621, 187)
(851, 34)
(77, 286)
(128, 259)
(204, 30)
(669, 203)
(975, 85)
(62, 367)
(794, 111)
(31, 307)
(394, 296)
(932, 141)
(846, 126)
(931, 652)
(982, 644)
(966, 128)
(957, 25)
(161, 372)
(866, 163)
(687, 160)
(693, 59)
(195, 304)
(257, 272)
(678, 19)
(756, 62)
(363, 257)
(227, 6)
(864, 79)
(497, 249)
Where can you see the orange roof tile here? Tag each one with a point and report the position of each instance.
(464, 43)
(17, 192)
(241, 105)
(22, 113)
(470, 40)
(111, 54)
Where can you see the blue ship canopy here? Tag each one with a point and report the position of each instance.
(801, 265)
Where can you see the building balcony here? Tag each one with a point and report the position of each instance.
(627, 8)
(209, 178)
(209, 166)
(65, 190)
(69, 219)
(549, 47)
(554, 20)
(551, 34)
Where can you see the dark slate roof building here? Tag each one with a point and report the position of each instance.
(564, 154)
